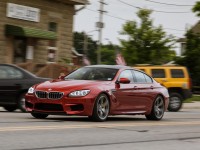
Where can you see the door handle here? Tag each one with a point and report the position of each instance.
(135, 88)
(151, 87)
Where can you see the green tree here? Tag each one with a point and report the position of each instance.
(91, 48)
(192, 51)
(196, 8)
(191, 56)
(108, 53)
(146, 43)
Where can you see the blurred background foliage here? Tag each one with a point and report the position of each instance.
(191, 57)
(146, 43)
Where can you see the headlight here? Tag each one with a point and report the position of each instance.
(31, 90)
(79, 93)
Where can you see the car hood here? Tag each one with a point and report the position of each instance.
(61, 85)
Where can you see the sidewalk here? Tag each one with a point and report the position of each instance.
(194, 105)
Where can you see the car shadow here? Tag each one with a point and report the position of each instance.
(86, 119)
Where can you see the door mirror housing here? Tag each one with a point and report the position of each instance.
(124, 80)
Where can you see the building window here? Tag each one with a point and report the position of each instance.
(52, 43)
(53, 26)
(51, 54)
(20, 45)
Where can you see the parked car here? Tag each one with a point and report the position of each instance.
(176, 79)
(98, 91)
(14, 83)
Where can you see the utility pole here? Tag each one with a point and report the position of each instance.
(100, 26)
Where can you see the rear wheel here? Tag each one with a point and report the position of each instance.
(101, 108)
(175, 102)
(39, 116)
(158, 109)
(10, 108)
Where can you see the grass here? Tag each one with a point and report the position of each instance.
(194, 98)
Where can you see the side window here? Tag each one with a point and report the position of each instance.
(140, 78)
(158, 73)
(177, 73)
(126, 74)
(7, 72)
(3, 73)
(148, 79)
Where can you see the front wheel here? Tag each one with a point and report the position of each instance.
(158, 109)
(175, 102)
(39, 116)
(101, 108)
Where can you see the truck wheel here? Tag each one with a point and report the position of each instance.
(175, 102)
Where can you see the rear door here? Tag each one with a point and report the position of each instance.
(143, 90)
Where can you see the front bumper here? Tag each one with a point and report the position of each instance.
(66, 105)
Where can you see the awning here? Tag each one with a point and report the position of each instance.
(29, 32)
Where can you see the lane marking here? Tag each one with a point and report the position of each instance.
(97, 125)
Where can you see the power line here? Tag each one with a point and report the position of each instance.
(167, 3)
(109, 15)
(174, 29)
(129, 20)
(117, 17)
(160, 11)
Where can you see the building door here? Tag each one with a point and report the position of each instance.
(20, 45)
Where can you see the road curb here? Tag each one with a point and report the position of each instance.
(193, 105)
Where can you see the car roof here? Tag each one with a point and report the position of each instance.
(159, 66)
(20, 68)
(110, 66)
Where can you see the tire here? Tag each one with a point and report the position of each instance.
(175, 102)
(10, 108)
(21, 102)
(101, 108)
(39, 116)
(158, 109)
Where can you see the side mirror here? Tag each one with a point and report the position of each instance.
(124, 80)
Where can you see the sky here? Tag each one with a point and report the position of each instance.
(175, 16)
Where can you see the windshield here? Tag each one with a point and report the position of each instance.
(92, 73)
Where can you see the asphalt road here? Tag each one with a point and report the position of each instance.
(177, 131)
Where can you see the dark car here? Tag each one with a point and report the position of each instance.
(98, 91)
(14, 83)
